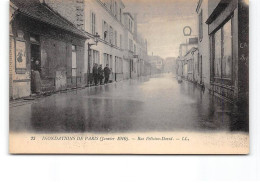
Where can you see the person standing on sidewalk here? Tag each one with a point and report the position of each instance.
(95, 73)
(100, 74)
(106, 73)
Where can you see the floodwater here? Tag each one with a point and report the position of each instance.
(147, 104)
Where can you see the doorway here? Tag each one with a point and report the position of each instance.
(201, 78)
(35, 68)
(131, 67)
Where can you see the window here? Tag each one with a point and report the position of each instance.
(115, 38)
(110, 5)
(201, 25)
(134, 49)
(115, 9)
(96, 57)
(130, 45)
(121, 39)
(74, 61)
(105, 31)
(120, 11)
(111, 35)
(223, 51)
(93, 23)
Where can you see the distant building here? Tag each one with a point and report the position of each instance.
(170, 64)
(157, 64)
(183, 62)
(191, 68)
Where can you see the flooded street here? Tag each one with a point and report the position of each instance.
(146, 104)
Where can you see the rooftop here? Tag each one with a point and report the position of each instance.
(42, 12)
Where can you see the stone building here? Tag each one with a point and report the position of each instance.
(41, 40)
(203, 44)
(105, 18)
(130, 47)
(118, 44)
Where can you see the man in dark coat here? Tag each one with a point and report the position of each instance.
(100, 74)
(106, 73)
(95, 73)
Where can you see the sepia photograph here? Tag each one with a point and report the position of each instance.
(129, 77)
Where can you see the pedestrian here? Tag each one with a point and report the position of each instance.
(100, 74)
(106, 73)
(95, 73)
(35, 81)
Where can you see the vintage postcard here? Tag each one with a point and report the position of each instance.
(129, 77)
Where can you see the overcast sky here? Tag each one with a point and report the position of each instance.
(161, 22)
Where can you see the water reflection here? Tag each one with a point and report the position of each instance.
(148, 104)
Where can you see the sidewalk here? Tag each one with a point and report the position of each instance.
(34, 98)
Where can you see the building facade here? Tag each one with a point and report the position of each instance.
(43, 43)
(118, 44)
(228, 29)
(203, 44)
(157, 64)
(105, 18)
(62, 37)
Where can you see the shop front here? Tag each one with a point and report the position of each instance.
(47, 51)
(228, 30)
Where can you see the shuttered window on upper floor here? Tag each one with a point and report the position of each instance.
(201, 25)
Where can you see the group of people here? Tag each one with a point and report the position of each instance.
(99, 74)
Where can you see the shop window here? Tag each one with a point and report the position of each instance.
(227, 50)
(223, 51)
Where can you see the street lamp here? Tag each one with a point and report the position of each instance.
(96, 37)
